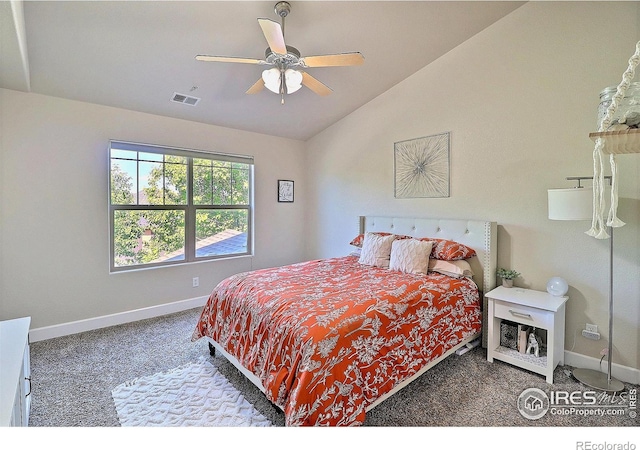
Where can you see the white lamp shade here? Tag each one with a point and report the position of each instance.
(293, 79)
(571, 204)
(271, 78)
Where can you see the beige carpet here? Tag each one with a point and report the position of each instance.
(73, 376)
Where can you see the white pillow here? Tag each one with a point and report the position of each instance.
(376, 250)
(456, 269)
(410, 255)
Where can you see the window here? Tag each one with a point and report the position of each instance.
(171, 206)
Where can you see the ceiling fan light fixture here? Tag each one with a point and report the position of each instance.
(283, 78)
(271, 78)
(292, 79)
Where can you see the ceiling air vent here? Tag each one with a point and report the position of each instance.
(185, 99)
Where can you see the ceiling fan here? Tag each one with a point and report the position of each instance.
(285, 75)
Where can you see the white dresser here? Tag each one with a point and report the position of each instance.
(15, 373)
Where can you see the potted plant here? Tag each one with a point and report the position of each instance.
(507, 276)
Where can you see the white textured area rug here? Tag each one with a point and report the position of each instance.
(192, 395)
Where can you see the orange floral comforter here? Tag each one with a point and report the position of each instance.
(328, 337)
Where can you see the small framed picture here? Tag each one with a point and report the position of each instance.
(285, 191)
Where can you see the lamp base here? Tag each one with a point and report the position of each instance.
(598, 380)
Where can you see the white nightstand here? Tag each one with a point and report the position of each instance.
(534, 309)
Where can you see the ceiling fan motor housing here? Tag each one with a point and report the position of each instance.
(292, 58)
(282, 9)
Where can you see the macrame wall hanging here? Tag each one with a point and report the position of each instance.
(598, 228)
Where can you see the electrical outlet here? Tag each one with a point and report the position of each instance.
(196, 281)
(591, 328)
(591, 335)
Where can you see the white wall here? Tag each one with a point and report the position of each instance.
(519, 99)
(54, 264)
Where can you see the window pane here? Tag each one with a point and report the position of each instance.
(150, 156)
(151, 183)
(163, 183)
(221, 185)
(175, 159)
(221, 232)
(123, 182)
(124, 154)
(144, 237)
(202, 182)
(240, 180)
(175, 183)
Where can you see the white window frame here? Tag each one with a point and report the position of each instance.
(190, 208)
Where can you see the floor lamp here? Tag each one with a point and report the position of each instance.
(577, 204)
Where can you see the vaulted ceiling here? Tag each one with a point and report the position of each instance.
(137, 54)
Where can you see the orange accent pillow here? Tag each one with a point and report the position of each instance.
(449, 250)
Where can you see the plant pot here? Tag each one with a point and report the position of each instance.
(507, 283)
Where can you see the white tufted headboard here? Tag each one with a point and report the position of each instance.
(479, 235)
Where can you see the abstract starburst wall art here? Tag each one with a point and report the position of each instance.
(422, 167)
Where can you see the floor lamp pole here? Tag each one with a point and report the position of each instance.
(595, 378)
(610, 350)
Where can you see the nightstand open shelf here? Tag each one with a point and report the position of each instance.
(526, 361)
(533, 309)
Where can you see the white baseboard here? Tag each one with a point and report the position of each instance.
(65, 329)
(620, 372)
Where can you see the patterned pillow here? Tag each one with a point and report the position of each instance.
(449, 250)
(410, 255)
(376, 250)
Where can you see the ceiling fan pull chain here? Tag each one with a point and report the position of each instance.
(283, 86)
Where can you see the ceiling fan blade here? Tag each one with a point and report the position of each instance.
(315, 85)
(274, 36)
(337, 60)
(231, 59)
(257, 87)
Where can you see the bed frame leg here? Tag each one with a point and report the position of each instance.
(212, 349)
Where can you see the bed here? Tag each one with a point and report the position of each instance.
(328, 340)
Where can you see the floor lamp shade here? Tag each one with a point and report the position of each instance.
(570, 204)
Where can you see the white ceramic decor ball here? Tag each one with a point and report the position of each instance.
(557, 286)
